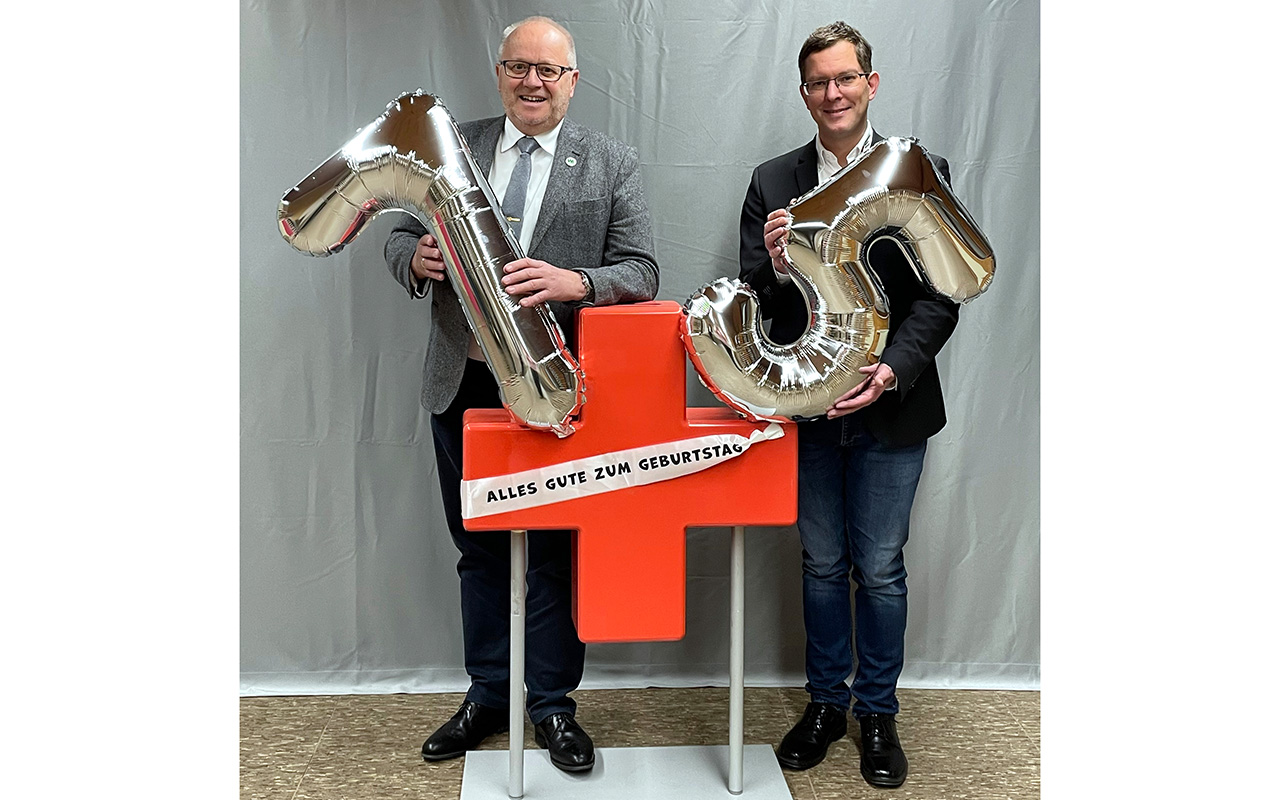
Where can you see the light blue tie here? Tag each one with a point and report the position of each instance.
(513, 200)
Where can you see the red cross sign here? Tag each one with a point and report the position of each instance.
(629, 543)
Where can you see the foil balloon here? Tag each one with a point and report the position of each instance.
(892, 192)
(413, 159)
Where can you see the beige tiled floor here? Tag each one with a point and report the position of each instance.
(963, 745)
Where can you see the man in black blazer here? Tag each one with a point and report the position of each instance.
(586, 229)
(859, 466)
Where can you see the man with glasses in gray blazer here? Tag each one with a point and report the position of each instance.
(574, 198)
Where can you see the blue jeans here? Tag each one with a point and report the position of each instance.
(553, 653)
(855, 498)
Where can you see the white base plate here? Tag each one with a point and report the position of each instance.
(630, 773)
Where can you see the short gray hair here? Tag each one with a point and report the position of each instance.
(510, 29)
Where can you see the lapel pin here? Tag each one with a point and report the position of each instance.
(571, 161)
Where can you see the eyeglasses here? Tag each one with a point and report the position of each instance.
(811, 88)
(546, 72)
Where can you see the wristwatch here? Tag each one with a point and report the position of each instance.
(590, 296)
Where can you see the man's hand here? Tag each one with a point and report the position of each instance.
(541, 282)
(775, 237)
(427, 261)
(879, 377)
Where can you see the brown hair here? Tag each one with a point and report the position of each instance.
(828, 35)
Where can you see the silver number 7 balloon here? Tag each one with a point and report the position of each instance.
(891, 192)
(413, 158)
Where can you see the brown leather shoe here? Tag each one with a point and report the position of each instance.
(465, 730)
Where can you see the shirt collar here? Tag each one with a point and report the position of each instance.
(829, 159)
(511, 134)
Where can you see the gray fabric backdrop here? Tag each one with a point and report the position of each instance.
(347, 570)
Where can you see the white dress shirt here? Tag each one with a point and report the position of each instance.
(829, 165)
(504, 163)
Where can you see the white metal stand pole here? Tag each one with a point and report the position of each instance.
(519, 562)
(737, 646)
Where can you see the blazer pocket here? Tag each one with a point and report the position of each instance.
(595, 210)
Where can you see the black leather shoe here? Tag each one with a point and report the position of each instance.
(464, 731)
(883, 762)
(806, 744)
(567, 743)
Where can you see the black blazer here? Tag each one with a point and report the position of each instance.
(919, 322)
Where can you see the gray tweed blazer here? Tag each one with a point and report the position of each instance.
(593, 218)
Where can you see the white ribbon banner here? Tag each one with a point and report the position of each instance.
(607, 472)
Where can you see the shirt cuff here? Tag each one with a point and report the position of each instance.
(418, 288)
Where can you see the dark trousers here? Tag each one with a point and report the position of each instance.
(553, 652)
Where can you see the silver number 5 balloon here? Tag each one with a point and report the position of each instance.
(413, 158)
(893, 191)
